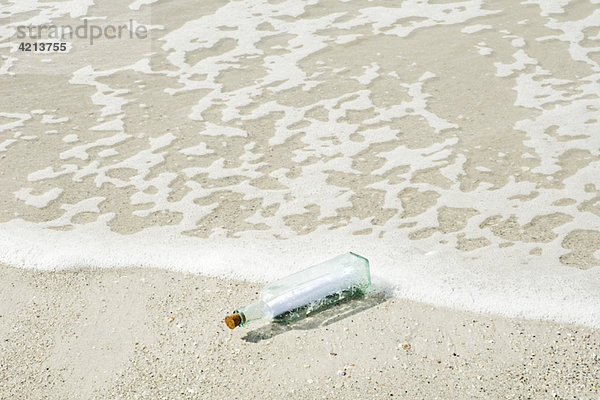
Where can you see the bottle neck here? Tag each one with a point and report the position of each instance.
(252, 312)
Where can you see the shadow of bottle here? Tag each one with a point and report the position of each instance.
(303, 319)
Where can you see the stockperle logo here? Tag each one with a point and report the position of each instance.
(92, 32)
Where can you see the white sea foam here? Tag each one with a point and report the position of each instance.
(137, 4)
(4, 145)
(20, 119)
(482, 284)
(71, 138)
(39, 201)
(49, 173)
(521, 61)
(475, 28)
(198, 150)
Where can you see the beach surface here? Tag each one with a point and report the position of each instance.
(151, 184)
(144, 333)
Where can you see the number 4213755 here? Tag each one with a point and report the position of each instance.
(41, 46)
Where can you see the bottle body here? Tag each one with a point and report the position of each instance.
(331, 280)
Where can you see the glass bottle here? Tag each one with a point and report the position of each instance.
(312, 289)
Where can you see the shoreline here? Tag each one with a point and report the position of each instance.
(159, 334)
(482, 282)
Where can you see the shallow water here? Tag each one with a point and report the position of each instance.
(454, 144)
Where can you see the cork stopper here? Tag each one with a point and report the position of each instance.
(233, 320)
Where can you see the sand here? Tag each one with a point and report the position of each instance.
(469, 128)
(140, 333)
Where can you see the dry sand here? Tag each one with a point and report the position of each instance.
(153, 334)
